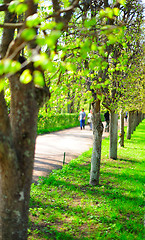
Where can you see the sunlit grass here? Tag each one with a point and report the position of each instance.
(64, 205)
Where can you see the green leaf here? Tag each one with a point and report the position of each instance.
(41, 60)
(94, 47)
(28, 34)
(15, 66)
(7, 65)
(53, 37)
(10, 66)
(33, 20)
(123, 2)
(21, 8)
(1, 68)
(71, 67)
(102, 13)
(40, 40)
(2, 84)
(112, 39)
(12, 6)
(90, 22)
(48, 25)
(26, 77)
(38, 78)
(18, 7)
(107, 82)
(99, 97)
(116, 11)
(92, 63)
(109, 12)
(59, 26)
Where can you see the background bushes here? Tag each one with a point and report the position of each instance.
(50, 123)
(55, 122)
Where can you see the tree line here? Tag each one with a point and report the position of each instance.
(83, 49)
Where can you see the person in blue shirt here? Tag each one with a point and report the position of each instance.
(82, 117)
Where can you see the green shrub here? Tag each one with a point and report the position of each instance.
(55, 122)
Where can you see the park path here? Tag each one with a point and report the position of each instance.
(50, 148)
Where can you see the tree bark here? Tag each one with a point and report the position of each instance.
(17, 144)
(121, 136)
(137, 118)
(113, 135)
(132, 122)
(17, 162)
(97, 140)
(135, 121)
(129, 126)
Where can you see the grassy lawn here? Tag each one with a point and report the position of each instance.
(64, 205)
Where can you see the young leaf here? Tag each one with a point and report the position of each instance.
(28, 34)
(26, 77)
(38, 78)
(21, 8)
(33, 21)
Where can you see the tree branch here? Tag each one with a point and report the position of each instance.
(3, 7)
(11, 25)
(18, 44)
(58, 11)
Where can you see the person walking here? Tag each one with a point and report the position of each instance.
(82, 116)
(90, 116)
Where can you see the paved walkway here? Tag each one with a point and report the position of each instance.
(50, 148)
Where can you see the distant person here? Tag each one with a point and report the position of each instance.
(82, 116)
(90, 116)
(126, 116)
(106, 116)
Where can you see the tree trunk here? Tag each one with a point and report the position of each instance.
(97, 140)
(17, 143)
(132, 122)
(140, 117)
(129, 126)
(17, 164)
(135, 120)
(121, 136)
(113, 135)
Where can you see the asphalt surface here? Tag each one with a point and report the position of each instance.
(50, 149)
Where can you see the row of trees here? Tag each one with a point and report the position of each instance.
(87, 48)
(103, 60)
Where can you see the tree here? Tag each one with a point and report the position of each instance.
(104, 59)
(125, 52)
(90, 49)
(28, 92)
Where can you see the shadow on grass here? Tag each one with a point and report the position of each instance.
(134, 161)
(114, 196)
(107, 191)
(45, 230)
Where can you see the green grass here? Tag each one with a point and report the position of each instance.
(64, 205)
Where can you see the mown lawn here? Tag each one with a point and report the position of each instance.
(64, 205)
